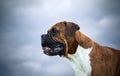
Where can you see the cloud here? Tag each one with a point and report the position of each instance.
(32, 65)
(56, 6)
(109, 7)
(57, 70)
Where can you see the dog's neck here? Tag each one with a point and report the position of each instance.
(83, 40)
(80, 61)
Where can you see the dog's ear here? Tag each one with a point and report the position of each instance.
(70, 28)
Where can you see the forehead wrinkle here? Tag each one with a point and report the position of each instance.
(59, 26)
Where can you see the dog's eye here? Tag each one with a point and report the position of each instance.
(54, 31)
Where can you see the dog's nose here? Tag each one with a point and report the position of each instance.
(43, 36)
(43, 39)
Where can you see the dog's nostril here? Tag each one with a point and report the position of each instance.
(43, 36)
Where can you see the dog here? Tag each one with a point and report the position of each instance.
(86, 57)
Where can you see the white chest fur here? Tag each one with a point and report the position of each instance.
(80, 61)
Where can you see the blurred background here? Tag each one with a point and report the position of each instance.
(23, 21)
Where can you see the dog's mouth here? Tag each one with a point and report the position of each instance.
(53, 49)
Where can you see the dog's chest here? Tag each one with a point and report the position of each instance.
(80, 61)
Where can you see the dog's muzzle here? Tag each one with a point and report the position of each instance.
(50, 46)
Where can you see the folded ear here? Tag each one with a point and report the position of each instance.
(70, 28)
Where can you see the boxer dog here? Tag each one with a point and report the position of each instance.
(87, 57)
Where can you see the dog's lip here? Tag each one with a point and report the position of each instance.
(52, 51)
(46, 48)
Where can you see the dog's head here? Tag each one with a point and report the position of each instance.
(60, 39)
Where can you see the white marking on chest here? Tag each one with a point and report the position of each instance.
(80, 61)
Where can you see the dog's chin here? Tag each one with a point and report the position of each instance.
(58, 49)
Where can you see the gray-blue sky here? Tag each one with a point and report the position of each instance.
(23, 21)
